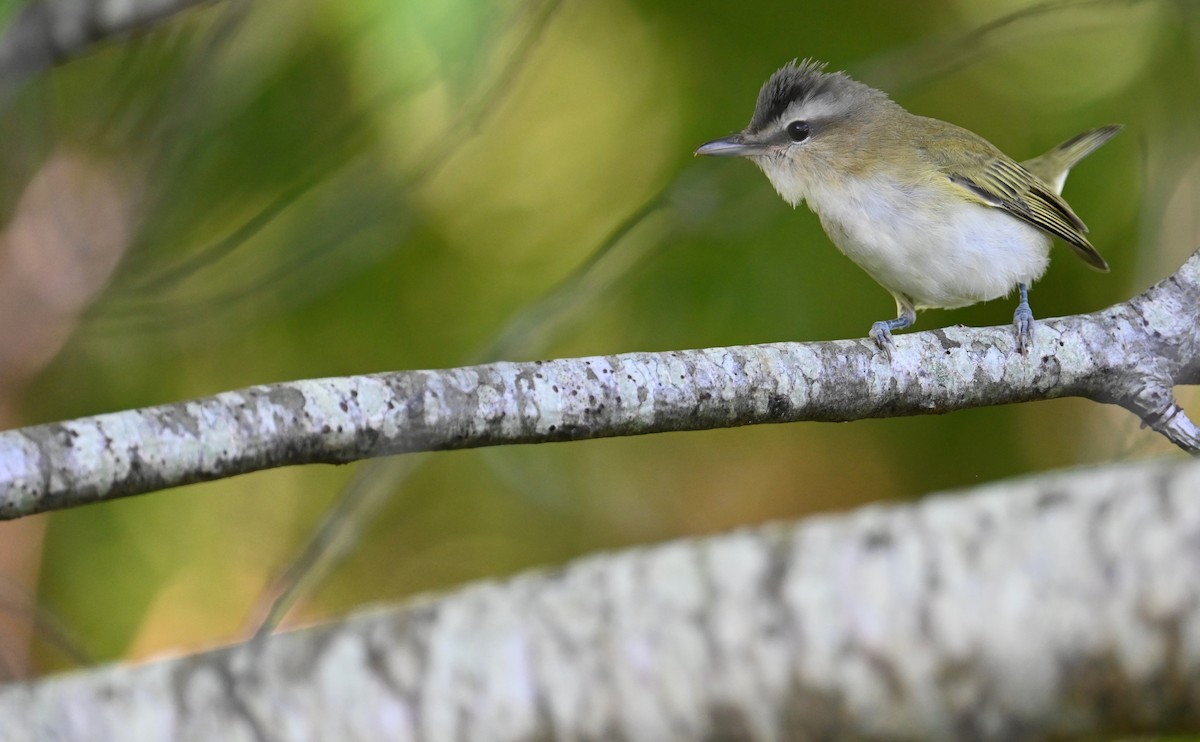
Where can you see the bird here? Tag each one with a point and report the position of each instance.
(935, 213)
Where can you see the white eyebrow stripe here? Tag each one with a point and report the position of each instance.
(816, 108)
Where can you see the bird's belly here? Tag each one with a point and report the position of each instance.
(950, 258)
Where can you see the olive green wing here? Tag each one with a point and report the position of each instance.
(1003, 184)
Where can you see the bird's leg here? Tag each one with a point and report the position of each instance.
(1023, 320)
(881, 331)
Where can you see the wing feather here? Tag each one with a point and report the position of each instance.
(1006, 185)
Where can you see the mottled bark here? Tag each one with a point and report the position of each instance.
(1065, 607)
(1131, 354)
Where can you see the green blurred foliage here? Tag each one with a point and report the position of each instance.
(327, 188)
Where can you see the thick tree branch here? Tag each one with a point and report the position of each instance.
(1062, 607)
(1131, 354)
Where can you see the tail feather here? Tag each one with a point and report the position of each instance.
(1053, 166)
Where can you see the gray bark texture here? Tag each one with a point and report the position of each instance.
(1061, 607)
(1131, 354)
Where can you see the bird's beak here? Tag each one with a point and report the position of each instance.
(733, 146)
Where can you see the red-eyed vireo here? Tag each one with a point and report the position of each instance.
(934, 213)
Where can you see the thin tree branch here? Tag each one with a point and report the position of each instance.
(47, 32)
(926, 60)
(1064, 607)
(1131, 354)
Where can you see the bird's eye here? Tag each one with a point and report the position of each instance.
(797, 131)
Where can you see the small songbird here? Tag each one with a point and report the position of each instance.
(934, 213)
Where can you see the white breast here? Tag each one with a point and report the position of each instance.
(938, 256)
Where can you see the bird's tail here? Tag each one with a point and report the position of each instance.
(1053, 166)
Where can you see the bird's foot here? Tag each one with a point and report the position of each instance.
(1023, 321)
(881, 333)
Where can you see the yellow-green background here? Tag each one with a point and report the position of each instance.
(431, 169)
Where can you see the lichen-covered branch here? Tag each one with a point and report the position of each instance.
(1131, 354)
(1062, 607)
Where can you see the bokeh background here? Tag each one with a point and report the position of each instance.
(258, 192)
